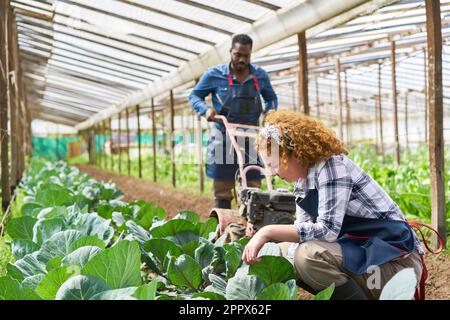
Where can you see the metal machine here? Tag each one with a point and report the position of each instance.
(257, 207)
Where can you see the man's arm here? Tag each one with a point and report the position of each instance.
(268, 94)
(201, 91)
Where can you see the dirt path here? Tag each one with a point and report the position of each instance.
(175, 200)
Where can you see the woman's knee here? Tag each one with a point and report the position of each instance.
(318, 264)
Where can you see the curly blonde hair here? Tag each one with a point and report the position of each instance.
(307, 138)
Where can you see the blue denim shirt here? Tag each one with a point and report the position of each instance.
(215, 81)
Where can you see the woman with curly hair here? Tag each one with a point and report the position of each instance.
(348, 230)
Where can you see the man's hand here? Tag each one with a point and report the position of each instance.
(251, 250)
(210, 114)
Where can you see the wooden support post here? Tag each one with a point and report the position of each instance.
(127, 115)
(303, 73)
(347, 110)
(14, 133)
(98, 159)
(339, 99)
(436, 117)
(376, 126)
(154, 139)
(425, 91)
(111, 146)
(11, 96)
(21, 132)
(294, 98)
(119, 142)
(317, 97)
(105, 160)
(139, 141)
(172, 138)
(6, 191)
(58, 148)
(90, 146)
(199, 140)
(394, 103)
(182, 124)
(99, 141)
(95, 145)
(380, 113)
(406, 120)
(199, 132)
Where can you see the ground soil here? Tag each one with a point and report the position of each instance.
(174, 201)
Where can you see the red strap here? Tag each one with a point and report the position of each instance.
(255, 81)
(417, 225)
(420, 291)
(230, 80)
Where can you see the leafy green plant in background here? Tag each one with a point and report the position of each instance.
(75, 239)
(408, 184)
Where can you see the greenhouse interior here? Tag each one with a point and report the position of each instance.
(111, 111)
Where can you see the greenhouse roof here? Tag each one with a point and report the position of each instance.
(86, 60)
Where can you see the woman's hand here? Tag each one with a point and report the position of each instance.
(251, 250)
(277, 232)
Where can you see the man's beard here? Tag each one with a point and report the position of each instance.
(239, 66)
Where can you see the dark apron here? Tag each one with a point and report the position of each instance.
(242, 105)
(366, 242)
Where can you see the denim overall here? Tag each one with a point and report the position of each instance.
(242, 105)
(365, 242)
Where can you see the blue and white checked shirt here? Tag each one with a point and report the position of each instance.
(215, 81)
(343, 188)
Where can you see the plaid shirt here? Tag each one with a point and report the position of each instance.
(343, 188)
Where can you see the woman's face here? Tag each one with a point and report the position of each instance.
(290, 172)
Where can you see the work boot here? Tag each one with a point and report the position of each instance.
(350, 290)
(223, 204)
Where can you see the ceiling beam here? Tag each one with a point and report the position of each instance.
(177, 16)
(216, 10)
(145, 24)
(272, 28)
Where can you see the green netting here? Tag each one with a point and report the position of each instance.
(148, 138)
(51, 148)
(56, 148)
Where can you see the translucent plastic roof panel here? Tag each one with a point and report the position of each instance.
(111, 17)
(83, 56)
(209, 19)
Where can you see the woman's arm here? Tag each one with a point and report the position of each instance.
(277, 232)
